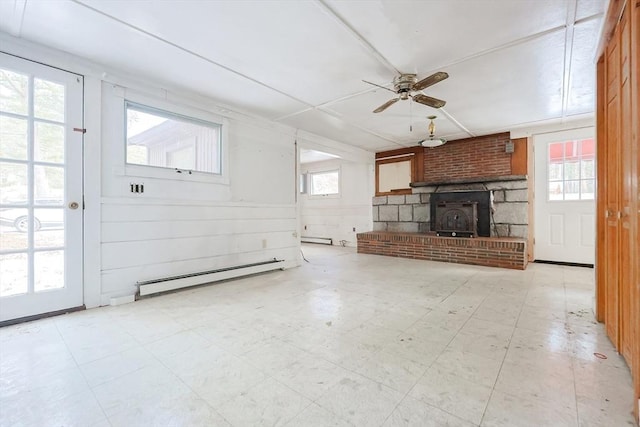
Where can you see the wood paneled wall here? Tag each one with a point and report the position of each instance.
(618, 216)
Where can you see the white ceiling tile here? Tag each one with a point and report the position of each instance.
(520, 84)
(105, 41)
(583, 68)
(586, 8)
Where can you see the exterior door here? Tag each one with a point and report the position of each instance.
(40, 189)
(565, 191)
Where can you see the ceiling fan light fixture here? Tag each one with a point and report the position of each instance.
(433, 142)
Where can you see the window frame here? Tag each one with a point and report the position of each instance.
(415, 155)
(136, 106)
(174, 109)
(309, 188)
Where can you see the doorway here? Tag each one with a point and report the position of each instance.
(565, 196)
(41, 205)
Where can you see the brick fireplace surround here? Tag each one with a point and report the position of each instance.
(402, 222)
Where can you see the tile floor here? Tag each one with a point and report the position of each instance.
(344, 340)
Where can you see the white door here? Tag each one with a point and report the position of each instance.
(564, 196)
(40, 189)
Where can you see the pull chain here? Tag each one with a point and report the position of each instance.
(410, 114)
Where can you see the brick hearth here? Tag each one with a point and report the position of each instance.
(487, 251)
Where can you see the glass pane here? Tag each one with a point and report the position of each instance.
(49, 143)
(13, 183)
(165, 140)
(555, 171)
(137, 154)
(182, 158)
(13, 274)
(11, 238)
(14, 92)
(13, 138)
(49, 227)
(571, 150)
(48, 270)
(572, 190)
(556, 152)
(49, 184)
(588, 149)
(588, 169)
(48, 100)
(556, 190)
(572, 170)
(588, 189)
(325, 183)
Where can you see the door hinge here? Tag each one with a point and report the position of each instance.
(82, 202)
(81, 130)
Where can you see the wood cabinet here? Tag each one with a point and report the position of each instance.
(618, 215)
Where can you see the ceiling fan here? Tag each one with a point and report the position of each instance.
(405, 84)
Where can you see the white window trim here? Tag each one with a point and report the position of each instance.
(310, 174)
(145, 171)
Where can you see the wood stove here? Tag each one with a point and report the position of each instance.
(457, 219)
(465, 213)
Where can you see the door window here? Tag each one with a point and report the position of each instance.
(571, 172)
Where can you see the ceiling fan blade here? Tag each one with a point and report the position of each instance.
(386, 105)
(431, 80)
(427, 100)
(381, 87)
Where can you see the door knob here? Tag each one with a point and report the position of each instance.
(73, 205)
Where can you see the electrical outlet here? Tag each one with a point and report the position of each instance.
(136, 188)
(354, 229)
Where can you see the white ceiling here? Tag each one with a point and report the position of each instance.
(511, 63)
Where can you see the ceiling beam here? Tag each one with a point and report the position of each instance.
(359, 37)
(572, 7)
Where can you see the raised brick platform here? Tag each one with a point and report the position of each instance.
(487, 251)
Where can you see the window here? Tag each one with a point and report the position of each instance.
(162, 139)
(324, 183)
(303, 183)
(571, 170)
(394, 175)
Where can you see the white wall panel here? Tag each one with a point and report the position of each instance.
(151, 252)
(119, 212)
(154, 230)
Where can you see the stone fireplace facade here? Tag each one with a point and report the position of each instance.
(412, 213)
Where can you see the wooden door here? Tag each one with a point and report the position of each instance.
(634, 13)
(626, 162)
(612, 174)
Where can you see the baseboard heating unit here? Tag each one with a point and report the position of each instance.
(320, 240)
(149, 287)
